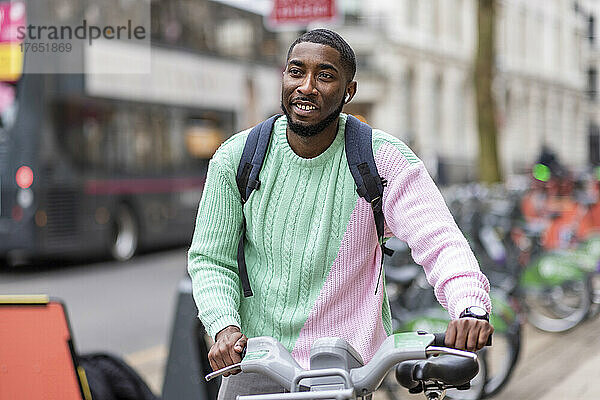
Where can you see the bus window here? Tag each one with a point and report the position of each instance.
(104, 136)
(202, 137)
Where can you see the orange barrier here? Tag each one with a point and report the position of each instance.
(37, 358)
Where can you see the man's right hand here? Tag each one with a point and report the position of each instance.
(227, 350)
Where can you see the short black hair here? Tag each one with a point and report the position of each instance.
(331, 39)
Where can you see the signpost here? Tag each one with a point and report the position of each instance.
(298, 13)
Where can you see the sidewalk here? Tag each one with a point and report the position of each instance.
(581, 384)
(150, 364)
(557, 366)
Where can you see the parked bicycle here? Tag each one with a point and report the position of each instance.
(554, 286)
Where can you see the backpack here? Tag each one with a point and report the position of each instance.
(359, 154)
(111, 378)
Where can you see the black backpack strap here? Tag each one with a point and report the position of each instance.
(369, 185)
(250, 165)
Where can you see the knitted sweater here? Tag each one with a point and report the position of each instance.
(311, 245)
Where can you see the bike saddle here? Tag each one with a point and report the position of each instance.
(448, 369)
(402, 275)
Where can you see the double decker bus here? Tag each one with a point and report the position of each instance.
(96, 164)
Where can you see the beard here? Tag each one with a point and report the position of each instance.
(312, 130)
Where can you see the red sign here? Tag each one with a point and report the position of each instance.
(302, 12)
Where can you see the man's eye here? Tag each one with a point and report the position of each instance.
(295, 72)
(325, 75)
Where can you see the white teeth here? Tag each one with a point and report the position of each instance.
(306, 107)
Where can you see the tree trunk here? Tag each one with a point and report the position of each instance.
(489, 167)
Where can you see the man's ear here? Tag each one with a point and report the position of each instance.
(350, 92)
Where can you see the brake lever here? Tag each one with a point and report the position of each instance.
(223, 371)
(436, 351)
(230, 368)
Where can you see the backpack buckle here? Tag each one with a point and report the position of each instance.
(376, 203)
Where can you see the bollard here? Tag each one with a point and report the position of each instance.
(187, 363)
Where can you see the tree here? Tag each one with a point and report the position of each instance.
(489, 166)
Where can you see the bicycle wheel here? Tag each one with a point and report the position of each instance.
(502, 356)
(560, 307)
(501, 359)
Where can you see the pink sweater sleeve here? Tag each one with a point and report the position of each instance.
(415, 212)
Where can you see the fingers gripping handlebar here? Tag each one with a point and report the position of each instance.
(440, 338)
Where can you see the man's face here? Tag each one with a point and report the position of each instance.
(313, 87)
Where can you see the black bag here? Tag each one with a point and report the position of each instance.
(110, 378)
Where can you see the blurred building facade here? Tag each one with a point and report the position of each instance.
(416, 72)
(212, 55)
(589, 11)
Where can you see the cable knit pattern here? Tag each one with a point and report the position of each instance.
(311, 245)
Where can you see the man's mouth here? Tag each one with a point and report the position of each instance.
(304, 107)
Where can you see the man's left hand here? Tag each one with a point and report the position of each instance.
(468, 333)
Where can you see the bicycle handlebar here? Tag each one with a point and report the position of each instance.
(265, 355)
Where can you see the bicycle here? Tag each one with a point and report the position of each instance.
(338, 372)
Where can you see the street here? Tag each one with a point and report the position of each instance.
(127, 309)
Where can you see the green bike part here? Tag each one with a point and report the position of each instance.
(411, 340)
(436, 319)
(591, 246)
(550, 270)
(584, 260)
(425, 323)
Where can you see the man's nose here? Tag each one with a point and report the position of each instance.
(308, 85)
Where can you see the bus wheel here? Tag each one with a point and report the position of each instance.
(124, 235)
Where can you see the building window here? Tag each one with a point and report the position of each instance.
(522, 36)
(594, 144)
(458, 21)
(412, 13)
(592, 83)
(461, 109)
(436, 23)
(409, 102)
(438, 98)
(558, 45)
(539, 46)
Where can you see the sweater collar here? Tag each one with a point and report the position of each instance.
(280, 136)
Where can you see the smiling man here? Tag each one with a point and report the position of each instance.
(311, 246)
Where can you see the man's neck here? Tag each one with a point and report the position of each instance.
(312, 146)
